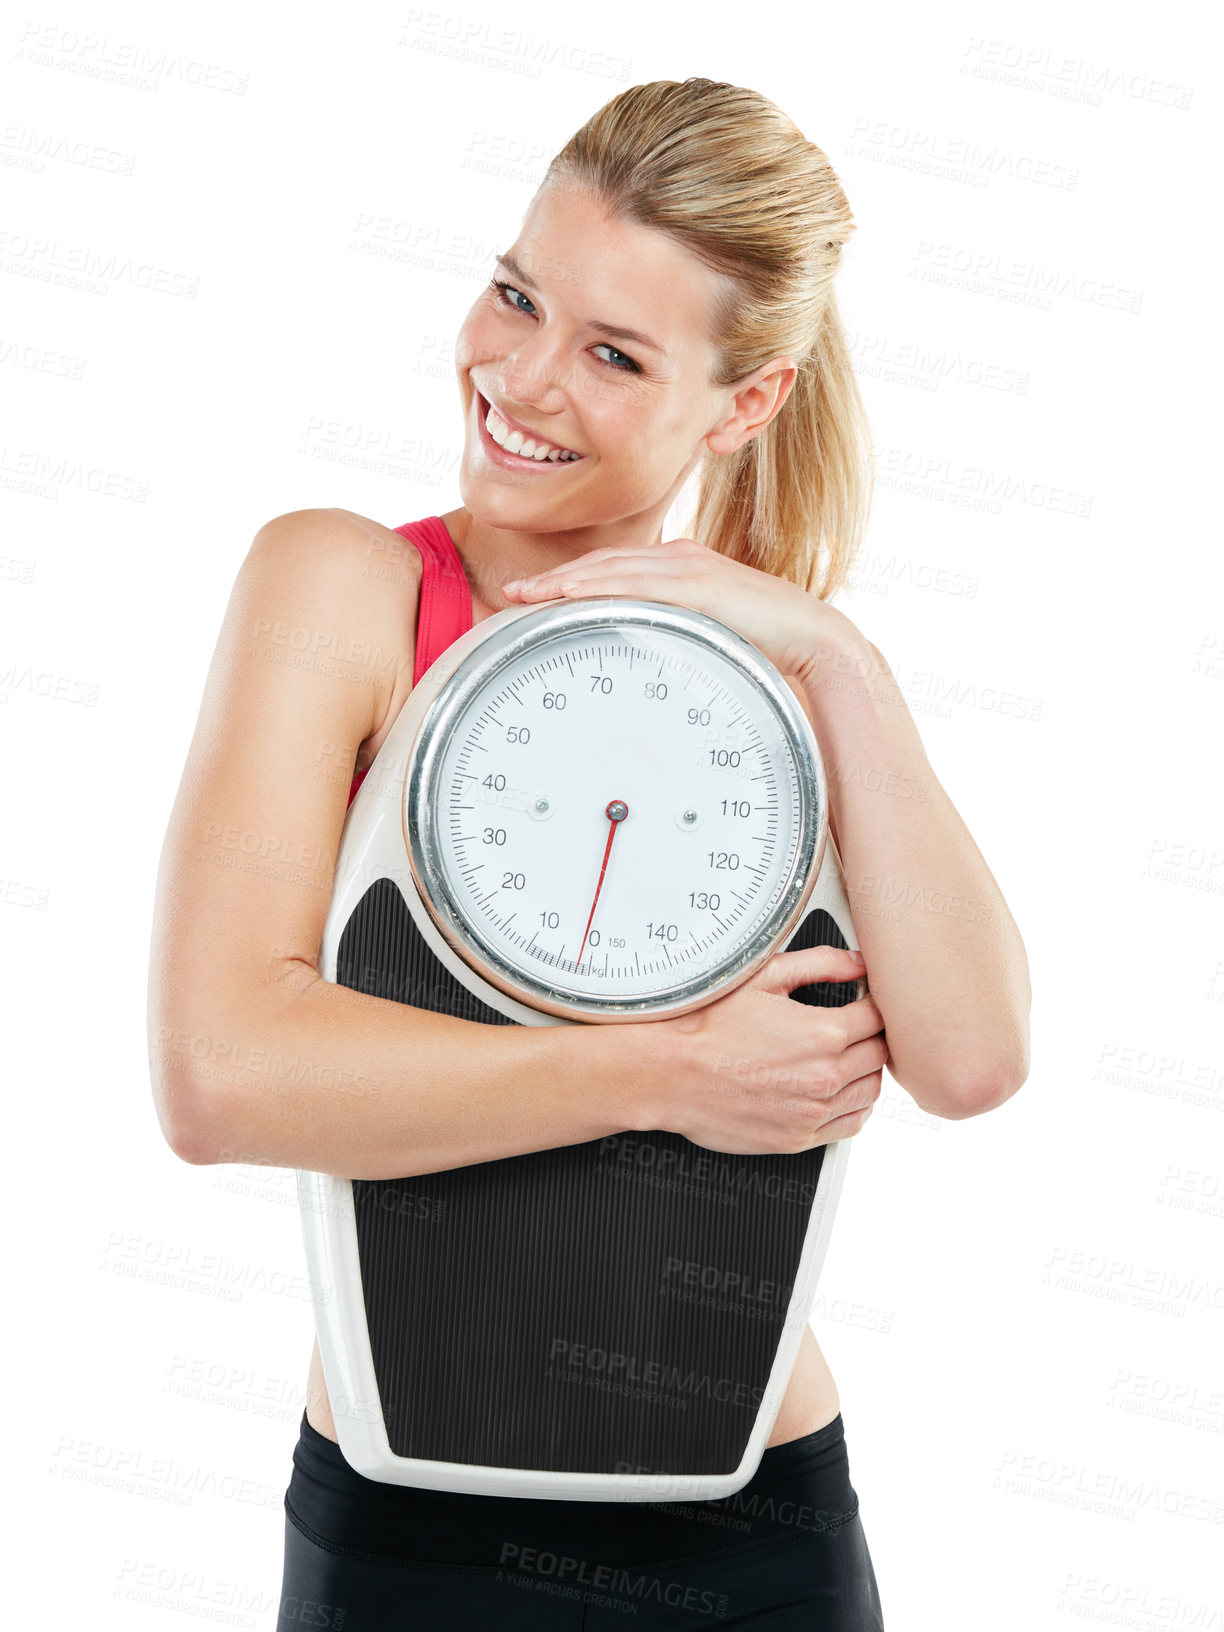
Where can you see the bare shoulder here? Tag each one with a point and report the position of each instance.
(368, 578)
(357, 553)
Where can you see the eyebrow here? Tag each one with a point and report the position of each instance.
(610, 329)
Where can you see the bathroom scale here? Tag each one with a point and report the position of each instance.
(587, 813)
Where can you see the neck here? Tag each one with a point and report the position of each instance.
(495, 555)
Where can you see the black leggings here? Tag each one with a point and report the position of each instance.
(787, 1551)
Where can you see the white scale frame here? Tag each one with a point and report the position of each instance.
(376, 843)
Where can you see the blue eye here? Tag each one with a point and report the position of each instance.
(505, 290)
(509, 296)
(628, 359)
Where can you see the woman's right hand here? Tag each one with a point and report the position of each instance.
(759, 1073)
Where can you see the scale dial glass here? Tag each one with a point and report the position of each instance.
(615, 807)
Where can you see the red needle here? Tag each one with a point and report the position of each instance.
(616, 811)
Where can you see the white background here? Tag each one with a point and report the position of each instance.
(283, 221)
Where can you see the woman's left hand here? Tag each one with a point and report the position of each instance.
(784, 622)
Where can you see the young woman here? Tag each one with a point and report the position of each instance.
(667, 307)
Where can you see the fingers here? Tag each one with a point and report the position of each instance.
(594, 564)
(859, 1097)
(861, 1093)
(789, 969)
(857, 1100)
(862, 1064)
(853, 1021)
(844, 1127)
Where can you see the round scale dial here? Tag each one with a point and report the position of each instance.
(614, 808)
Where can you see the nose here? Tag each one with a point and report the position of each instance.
(535, 376)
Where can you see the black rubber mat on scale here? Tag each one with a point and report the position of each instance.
(613, 1306)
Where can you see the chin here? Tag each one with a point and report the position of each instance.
(508, 504)
(498, 505)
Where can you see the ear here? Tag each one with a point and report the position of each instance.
(757, 399)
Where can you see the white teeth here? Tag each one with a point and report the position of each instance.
(514, 442)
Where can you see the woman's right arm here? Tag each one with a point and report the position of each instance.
(253, 1056)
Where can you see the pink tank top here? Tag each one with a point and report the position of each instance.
(445, 608)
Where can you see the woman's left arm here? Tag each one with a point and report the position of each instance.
(945, 961)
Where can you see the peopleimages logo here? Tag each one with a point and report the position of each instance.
(934, 475)
(1074, 79)
(609, 1365)
(485, 44)
(643, 1157)
(954, 158)
(1027, 283)
(524, 1566)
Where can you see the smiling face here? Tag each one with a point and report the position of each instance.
(599, 345)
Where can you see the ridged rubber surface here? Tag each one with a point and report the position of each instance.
(613, 1306)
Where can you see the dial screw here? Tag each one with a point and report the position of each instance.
(689, 816)
(541, 804)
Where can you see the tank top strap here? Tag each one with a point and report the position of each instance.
(444, 610)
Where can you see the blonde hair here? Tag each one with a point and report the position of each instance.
(722, 171)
